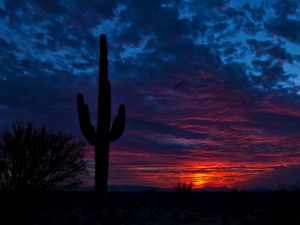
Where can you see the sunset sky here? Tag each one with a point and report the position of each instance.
(211, 87)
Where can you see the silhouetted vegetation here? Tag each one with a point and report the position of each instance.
(237, 188)
(105, 133)
(36, 158)
(183, 187)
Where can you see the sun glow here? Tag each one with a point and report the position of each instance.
(200, 180)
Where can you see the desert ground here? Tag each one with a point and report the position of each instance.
(151, 208)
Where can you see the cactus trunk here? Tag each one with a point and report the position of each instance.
(105, 133)
(102, 167)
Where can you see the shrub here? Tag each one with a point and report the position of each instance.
(38, 158)
(183, 187)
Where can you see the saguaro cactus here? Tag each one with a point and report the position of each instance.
(105, 133)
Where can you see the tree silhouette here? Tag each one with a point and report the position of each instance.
(105, 132)
(36, 158)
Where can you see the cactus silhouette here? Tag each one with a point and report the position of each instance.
(105, 133)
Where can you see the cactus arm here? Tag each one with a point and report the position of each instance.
(118, 124)
(84, 120)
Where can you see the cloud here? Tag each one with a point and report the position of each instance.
(207, 101)
(284, 10)
(285, 27)
(276, 178)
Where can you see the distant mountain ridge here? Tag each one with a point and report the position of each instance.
(141, 188)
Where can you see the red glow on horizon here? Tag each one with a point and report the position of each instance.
(140, 168)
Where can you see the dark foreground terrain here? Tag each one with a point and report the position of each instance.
(147, 208)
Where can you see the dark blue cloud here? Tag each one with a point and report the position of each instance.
(205, 79)
(285, 27)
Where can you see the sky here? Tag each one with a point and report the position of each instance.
(211, 87)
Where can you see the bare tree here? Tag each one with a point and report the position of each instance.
(37, 158)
